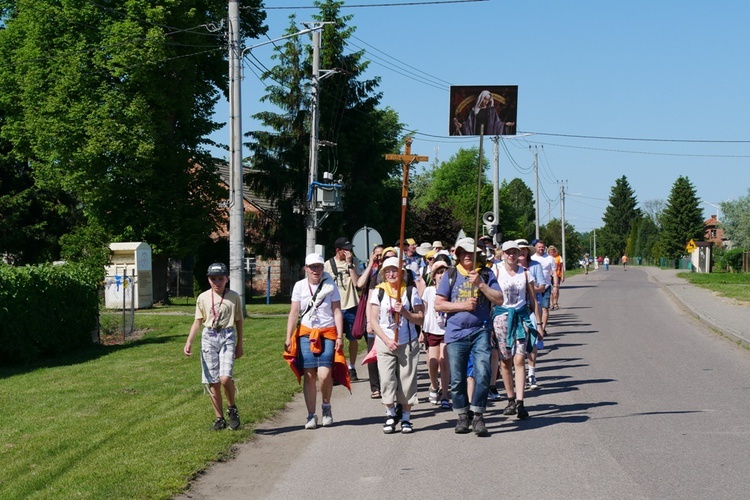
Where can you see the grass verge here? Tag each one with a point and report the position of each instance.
(130, 421)
(731, 285)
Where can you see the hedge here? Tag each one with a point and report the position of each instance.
(45, 310)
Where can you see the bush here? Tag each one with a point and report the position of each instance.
(732, 259)
(45, 311)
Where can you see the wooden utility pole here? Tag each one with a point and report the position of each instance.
(407, 159)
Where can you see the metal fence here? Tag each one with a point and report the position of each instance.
(117, 318)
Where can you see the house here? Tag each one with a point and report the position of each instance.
(713, 232)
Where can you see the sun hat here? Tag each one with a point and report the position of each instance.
(431, 254)
(217, 269)
(437, 244)
(438, 264)
(313, 258)
(524, 244)
(390, 262)
(424, 248)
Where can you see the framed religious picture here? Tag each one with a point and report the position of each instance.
(472, 106)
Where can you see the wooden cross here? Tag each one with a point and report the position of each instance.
(407, 159)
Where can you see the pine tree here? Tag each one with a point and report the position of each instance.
(682, 219)
(621, 213)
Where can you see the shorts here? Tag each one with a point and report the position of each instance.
(433, 340)
(349, 316)
(217, 354)
(500, 327)
(310, 360)
(543, 297)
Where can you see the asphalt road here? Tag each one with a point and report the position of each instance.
(637, 400)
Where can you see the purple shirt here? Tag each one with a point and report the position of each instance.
(461, 324)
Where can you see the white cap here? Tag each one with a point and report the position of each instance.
(313, 258)
(390, 262)
(510, 244)
(467, 244)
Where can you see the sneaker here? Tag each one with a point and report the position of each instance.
(234, 418)
(522, 412)
(389, 427)
(353, 375)
(531, 382)
(312, 422)
(434, 396)
(510, 409)
(470, 416)
(462, 425)
(219, 424)
(478, 423)
(327, 417)
(406, 427)
(492, 394)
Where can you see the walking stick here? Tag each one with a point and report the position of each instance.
(479, 192)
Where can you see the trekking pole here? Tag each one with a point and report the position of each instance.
(479, 192)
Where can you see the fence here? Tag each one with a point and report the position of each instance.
(117, 321)
(746, 262)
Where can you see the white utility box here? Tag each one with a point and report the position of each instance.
(129, 282)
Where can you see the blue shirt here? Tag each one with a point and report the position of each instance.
(461, 324)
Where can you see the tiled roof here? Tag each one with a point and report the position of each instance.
(263, 205)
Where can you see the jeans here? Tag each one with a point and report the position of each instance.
(478, 345)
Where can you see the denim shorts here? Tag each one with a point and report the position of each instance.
(310, 360)
(544, 297)
(349, 316)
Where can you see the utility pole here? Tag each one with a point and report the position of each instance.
(317, 76)
(562, 218)
(536, 181)
(236, 205)
(496, 190)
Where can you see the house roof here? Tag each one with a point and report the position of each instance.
(263, 205)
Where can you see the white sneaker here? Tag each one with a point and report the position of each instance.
(327, 417)
(312, 422)
(532, 384)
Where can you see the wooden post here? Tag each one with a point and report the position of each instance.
(407, 159)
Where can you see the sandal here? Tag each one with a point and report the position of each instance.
(375, 395)
(406, 427)
(445, 404)
(390, 425)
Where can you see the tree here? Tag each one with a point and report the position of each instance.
(736, 223)
(551, 234)
(654, 209)
(682, 219)
(111, 108)
(517, 215)
(433, 222)
(453, 185)
(647, 241)
(361, 135)
(619, 215)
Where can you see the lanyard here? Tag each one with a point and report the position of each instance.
(213, 308)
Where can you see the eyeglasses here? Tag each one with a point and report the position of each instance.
(390, 270)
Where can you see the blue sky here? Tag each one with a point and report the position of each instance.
(670, 80)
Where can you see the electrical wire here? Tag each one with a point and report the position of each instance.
(358, 6)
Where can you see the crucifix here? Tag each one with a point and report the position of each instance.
(407, 159)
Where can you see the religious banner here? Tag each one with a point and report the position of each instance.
(472, 106)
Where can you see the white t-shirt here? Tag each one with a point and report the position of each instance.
(406, 330)
(548, 264)
(321, 315)
(433, 322)
(514, 287)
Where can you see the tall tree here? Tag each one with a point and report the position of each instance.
(736, 223)
(517, 216)
(359, 135)
(112, 107)
(647, 242)
(682, 219)
(551, 234)
(619, 215)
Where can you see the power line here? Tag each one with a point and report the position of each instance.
(690, 155)
(643, 139)
(358, 6)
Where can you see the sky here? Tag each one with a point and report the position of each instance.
(647, 89)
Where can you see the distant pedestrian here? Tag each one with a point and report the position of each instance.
(219, 312)
(560, 271)
(606, 263)
(625, 262)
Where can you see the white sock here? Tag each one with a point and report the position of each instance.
(531, 370)
(351, 366)
(406, 416)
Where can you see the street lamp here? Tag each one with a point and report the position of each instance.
(717, 207)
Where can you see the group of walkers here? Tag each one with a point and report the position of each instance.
(477, 312)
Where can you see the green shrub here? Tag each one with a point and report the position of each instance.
(45, 311)
(732, 259)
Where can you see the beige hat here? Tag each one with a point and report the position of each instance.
(424, 248)
(437, 244)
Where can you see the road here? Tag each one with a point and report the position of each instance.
(637, 400)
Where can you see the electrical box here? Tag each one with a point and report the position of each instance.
(129, 281)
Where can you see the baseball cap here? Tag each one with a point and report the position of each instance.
(467, 244)
(343, 243)
(313, 258)
(510, 244)
(217, 269)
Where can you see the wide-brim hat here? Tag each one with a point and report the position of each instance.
(390, 262)
(424, 248)
(437, 244)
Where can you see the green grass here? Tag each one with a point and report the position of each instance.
(731, 285)
(130, 421)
